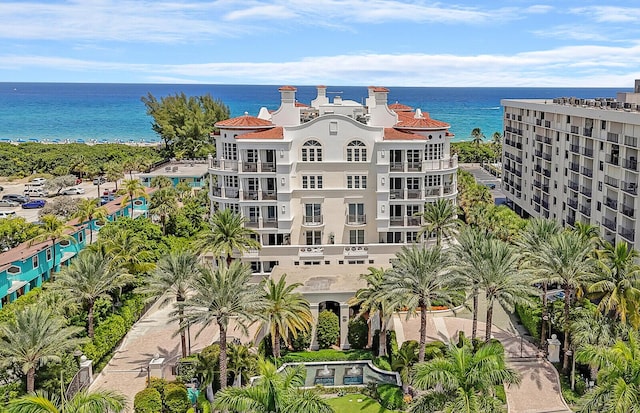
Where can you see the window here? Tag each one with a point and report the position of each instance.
(413, 183)
(80, 236)
(432, 180)
(312, 151)
(14, 270)
(230, 151)
(433, 151)
(356, 236)
(314, 237)
(312, 214)
(312, 181)
(357, 181)
(356, 214)
(412, 236)
(356, 152)
(231, 181)
(48, 254)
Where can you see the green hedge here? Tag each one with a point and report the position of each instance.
(327, 355)
(390, 396)
(148, 401)
(358, 334)
(328, 329)
(301, 341)
(175, 398)
(8, 312)
(531, 319)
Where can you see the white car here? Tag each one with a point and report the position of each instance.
(8, 203)
(73, 191)
(37, 182)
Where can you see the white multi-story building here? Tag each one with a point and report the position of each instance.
(575, 160)
(334, 182)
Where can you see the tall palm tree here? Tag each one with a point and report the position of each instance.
(82, 402)
(469, 258)
(374, 299)
(420, 276)
(536, 234)
(227, 235)
(273, 392)
(35, 338)
(163, 203)
(566, 259)
(161, 181)
(617, 288)
(89, 277)
(477, 136)
(502, 280)
(618, 388)
(113, 172)
(286, 311)
(172, 279)
(496, 143)
(55, 230)
(440, 217)
(463, 380)
(133, 190)
(125, 249)
(88, 210)
(221, 294)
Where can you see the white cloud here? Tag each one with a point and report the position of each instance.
(573, 32)
(610, 14)
(270, 12)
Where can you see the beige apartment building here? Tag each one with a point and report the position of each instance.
(575, 160)
(332, 182)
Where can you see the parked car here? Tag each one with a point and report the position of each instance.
(7, 214)
(73, 191)
(37, 182)
(99, 180)
(36, 192)
(8, 203)
(34, 203)
(21, 199)
(78, 181)
(104, 199)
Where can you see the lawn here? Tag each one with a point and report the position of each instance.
(350, 404)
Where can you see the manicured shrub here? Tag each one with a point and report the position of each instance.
(302, 341)
(531, 319)
(176, 399)
(358, 333)
(390, 396)
(392, 344)
(8, 311)
(326, 355)
(107, 335)
(383, 363)
(158, 384)
(148, 401)
(328, 329)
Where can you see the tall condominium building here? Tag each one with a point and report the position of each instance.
(334, 182)
(575, 160)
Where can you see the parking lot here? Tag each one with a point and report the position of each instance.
(485, 178)
(32, 215)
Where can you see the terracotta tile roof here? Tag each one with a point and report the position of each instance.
(291, 88)
(244, 122)
(399, 107)
(391, 134)
(449, 134)
(275, 133)
(408, 120)
(321, 87)
(301, 105)
(378, 89)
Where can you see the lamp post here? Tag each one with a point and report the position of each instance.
(571, 354)
(543, 339)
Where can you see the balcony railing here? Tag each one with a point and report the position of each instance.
(250, 195)
(414, 166)
(537, 184)
(628, 210)
(547, 173)
(575, 167)
(587, 152)
(413, 194)
(431, 191)
(270, 222)
(611, 181)
(545, 204)
(587, 172)
(268, 166)
(574, 148)
(612, 137)
(613, 159)
(414, 221)
(396, 194)
(571, 220)
(627, 233)
(250, 166)
(546, 156)
(396, 221)
(252, 223)
(630, 164)
(575, 129)
(629, 187)
(396, 166)
(585, 210)
(573, 185)
(269, 195)
(311, 220)
(609, 224)
(611, 203)
(631, 141)
(224, 164)
(573, 203)
(356, 219)
(587, 131)
(538, 168)
(585, 191)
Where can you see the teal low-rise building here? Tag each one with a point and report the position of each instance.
(191, 171)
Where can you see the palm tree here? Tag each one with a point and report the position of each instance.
(53, 229)
(221, 294)
(172, 279)
(113, 172)
(374, 299)
(403, 361)
(161, 181)
(285, 312)
(420, 276)
(125, 249)
(273, 392)
(242, 363)
(89, 277)
(536, 234)
(618, 388)
(227, 235)
(463, 380)
(82, 402)
(468, 253)
(35, 338)
(496, 142)
(477, 136)
(163, 203)
(133, 190)
(618, 286)
(440, 217)
(566, 259)
(502, 280)
(88, 210)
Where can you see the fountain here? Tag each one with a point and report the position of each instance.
(344, 373)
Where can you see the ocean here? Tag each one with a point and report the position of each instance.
(107, 112)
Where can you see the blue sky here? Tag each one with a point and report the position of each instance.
(580, 43)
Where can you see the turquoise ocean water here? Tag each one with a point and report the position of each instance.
(113, 112)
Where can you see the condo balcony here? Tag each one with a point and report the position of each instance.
(547, 173)
(571, 220)
(312, 220)
(627, 233)
(629, 187)
(610, 224)
(356, 219)
(631, 141)
(250, 166)
(573, 185)
(587, 172)
(224, 192)
(224, 164)
(414, 194)
(628, 210)
(250, 195)
(546, 156)
(587, 131)
(630, 164)
(612, 182)
(396, 221)
(587, 152)
(575, 167)
(396, 194)
(575, 129)
(269, 195)
(612, 137)
(574, 148)
(611, 203)
(585, 210)
(573, 203)
(414, 221)
(585, 191)
(268, 166)
(613, 159)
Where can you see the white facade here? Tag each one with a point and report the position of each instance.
(575, 160)
(333, 183)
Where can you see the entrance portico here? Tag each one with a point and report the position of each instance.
(326, 287)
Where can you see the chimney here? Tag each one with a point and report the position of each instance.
(288, 114)
(321, 98)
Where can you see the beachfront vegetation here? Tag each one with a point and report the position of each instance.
(82, 402)
(185, 123)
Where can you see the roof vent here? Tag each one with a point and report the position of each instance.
(418, 114)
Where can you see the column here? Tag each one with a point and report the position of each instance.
(344, 326)
(314, 314)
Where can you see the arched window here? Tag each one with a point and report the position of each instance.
(356, 152)
(312, 151)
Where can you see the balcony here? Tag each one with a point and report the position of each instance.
(571, 220)
(396, 166)
(585, 191)
(250, 195)
(630, 187)
(631, 141)
(538, 153)
(431, 191)
(575, 167)
(573, 203)
(609, 224)
(270, 222)
(537, 184)
(547, 173)
(613, 159)
(574, 148)
(226, 192)
(312, 220)
(250, 166)
(545, 188)
(448, 189)
(611, 203)
(356, 219)
(630, 164)
(538, 122)
(538, 168)
(414, 194)
(545, 204)
(268, 166)
(414, 166)
(269, 195)
(396, 194)
(612, 137)
(536, 199)
(356, 251)
(575, 129)
(628, 210)
(546, 156)
(587, 152)
(626, 233)
(413, 221)
(396, 221)
(252, 222)
(585, 210)
(587, 172)
(613, 182)
(224, 164)
(547, 123)
(573, 185)
(587, 131)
